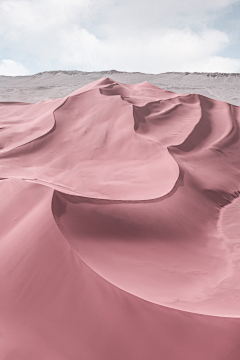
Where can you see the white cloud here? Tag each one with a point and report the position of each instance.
(149, 36)
(217, 64)
(168, 50)
(12, 68)
(137, 15)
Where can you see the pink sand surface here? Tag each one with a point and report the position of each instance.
(117, 239)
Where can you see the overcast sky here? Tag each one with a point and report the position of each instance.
(151, 36)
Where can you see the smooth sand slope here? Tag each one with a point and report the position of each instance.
(117, 238)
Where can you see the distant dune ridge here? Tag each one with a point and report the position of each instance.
(119, 216)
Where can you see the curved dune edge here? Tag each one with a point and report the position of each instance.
(120, 132)
(22, 123)
(56, 306)
(147, 262)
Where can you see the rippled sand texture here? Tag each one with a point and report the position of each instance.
(114, 240)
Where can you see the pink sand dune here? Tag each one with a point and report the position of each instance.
(117, 241)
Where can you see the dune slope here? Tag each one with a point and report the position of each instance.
(115, 241)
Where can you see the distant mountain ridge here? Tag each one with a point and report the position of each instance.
(59, 83)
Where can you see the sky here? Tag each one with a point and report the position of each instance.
(150, 36)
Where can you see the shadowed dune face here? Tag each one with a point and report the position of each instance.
(135, 181)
